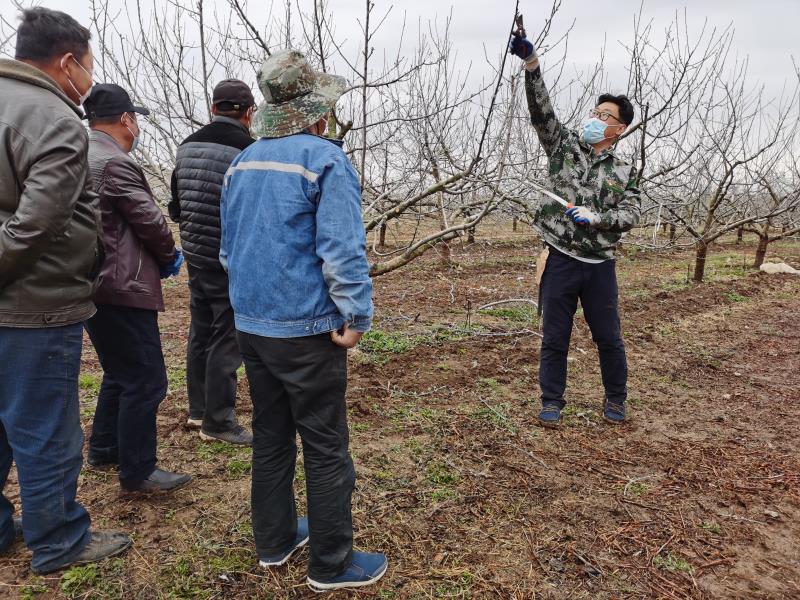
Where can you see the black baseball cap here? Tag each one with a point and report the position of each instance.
(235, 94)
(110, 100)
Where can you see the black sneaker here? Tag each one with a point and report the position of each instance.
(159, 481)
(104, 544)
(238, 435)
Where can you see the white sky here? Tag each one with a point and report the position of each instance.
(766, 30)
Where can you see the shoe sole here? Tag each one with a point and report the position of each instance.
(550, 424)
(265, 564)
(210, 438)
(612, 421)
(157, 490)
(320, 588)
(194, 423)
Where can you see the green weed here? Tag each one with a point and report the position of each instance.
(33, 589)
(711, 526)
(673, 563)
(438, 473)
(238, 468)
(79, 580)
(90, 383)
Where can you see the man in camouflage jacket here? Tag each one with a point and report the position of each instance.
(602, 203)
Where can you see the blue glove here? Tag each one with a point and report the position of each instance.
(521, 46)
(583, 216)
(172, 269)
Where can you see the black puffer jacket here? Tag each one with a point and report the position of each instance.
(200, 166)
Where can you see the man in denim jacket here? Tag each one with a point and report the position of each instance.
(294, 245)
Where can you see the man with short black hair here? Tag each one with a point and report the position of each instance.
(212, 356)
(49, 262)
(593, 203)
(140, 252)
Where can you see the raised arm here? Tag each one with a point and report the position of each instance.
(543, 116)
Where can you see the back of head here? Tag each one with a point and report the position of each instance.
(44, 35)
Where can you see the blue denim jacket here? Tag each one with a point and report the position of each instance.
(293, 241)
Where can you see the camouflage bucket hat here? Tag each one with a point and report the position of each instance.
(295, 96)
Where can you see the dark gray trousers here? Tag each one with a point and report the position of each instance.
(298, 385)
(212, 356)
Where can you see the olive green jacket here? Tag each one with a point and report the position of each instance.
(49, 217)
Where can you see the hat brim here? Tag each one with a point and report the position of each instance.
(296, 115)
(141, 110)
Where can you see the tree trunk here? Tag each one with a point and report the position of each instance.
(761, 251)
(672, 229)
(739, 235)
(382, 235)
(471, 235)
(444, 253)
(514, 224)
(700, 261)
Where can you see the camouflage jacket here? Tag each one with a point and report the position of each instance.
(603, 182)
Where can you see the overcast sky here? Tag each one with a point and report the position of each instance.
(766, 30)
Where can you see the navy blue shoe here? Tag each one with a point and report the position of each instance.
(366, 569)
(550, 415)
(276, 560)
(614, 412)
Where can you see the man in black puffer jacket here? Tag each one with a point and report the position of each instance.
(212, 356)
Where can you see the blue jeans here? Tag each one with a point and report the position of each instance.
(40, 430)
(565, 281)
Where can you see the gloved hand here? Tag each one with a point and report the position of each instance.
(583, 216)
(522, 47)
(172, 269)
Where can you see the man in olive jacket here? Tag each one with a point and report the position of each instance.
(49, 261)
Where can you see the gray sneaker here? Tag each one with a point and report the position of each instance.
(104, 544)
(238, 435)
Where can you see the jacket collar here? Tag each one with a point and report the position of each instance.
(15, 69)
(106, 139)
(229, 121)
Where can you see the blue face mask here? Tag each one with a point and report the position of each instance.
(594, 131)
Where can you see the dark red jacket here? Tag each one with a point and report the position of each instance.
(136, 236)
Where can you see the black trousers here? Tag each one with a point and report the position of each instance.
(298, 386)
(212, 356)
(128, 344)
(565, 281)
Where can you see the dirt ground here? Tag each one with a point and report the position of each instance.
(697, 496)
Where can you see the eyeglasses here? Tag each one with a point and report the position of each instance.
(603, 116)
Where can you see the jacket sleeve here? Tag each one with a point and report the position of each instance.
(625, 216)
(127, 191)
(174, 206)
(543, 116)
(341, 243)
(54, 182)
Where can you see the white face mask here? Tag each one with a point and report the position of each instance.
(136, 138)
(81, 97)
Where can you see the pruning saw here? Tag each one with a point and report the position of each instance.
(551, 195)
